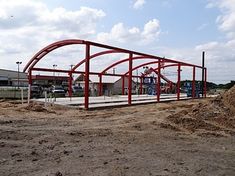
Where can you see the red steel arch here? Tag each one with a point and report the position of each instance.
(39, 55)
(95, 55)
(126, 60)
(133, 55)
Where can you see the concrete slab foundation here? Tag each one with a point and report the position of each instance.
(112, 101)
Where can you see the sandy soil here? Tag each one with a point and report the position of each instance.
(157, 139)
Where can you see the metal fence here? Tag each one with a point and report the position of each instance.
(13, 92)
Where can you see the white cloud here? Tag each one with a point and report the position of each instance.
(207, 46)
(220, 60)
(26, 26)
(26, 13)
(222, 52)
(122, 34)
(83, 21)
(139, 4)
(151, 30)
(220, 57)
(226, 21)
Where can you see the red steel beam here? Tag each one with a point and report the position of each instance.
(155, 70)
(39, 55)
(138, 53)
(205, 82)
(70, 84)
(124, 60)
(178, 82)
(91, 73)
(50, 70)
(94, 56)
(30, 77)
(130, 79)
(193, 82)
(30, 83)
(119, 62)
(156, 86)
(100, 85)
(123, 85)
(141, 65)
(141, 85)
(78, 72)
(159, 81)
(87, 72)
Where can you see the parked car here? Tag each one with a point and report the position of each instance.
(36, 91)
(57, 91)
(77, 89)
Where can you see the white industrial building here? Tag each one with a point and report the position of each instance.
(112, 85)
(11, 78)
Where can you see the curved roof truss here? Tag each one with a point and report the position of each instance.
(161, 62)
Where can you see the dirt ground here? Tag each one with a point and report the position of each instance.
(174, 138)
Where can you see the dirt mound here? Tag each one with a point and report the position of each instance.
(228, 98)
(35, 107)
(216, 116)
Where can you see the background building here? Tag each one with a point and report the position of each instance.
(111, 85)
(10, 78)
(47, 81)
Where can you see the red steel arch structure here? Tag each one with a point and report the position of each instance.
(160, 62)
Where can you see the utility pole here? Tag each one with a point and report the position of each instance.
(18, 75)
(71, 66)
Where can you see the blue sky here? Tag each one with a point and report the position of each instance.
(179, 29)
(180, 19)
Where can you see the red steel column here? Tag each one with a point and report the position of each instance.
(178, 83)
(205, 82)
(30, 83)
(100, 85)
(87, 71)
(171, 85)
(30, 77)
(156, 85)
(203, 72)
(159, 81)
(193, 82)
(123, 85)
(70, 84)
(130, 79)
(141, 85)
